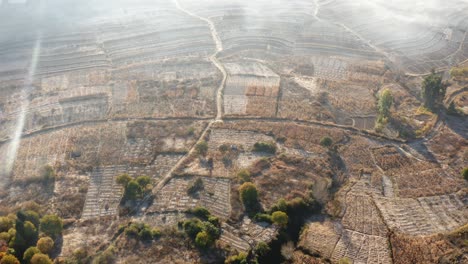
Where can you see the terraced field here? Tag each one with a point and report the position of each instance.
(182, 91)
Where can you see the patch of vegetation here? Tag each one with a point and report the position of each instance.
(203, 230)
(134, 188)
(384, 105)
(240, 258)
(433, 90)
(345, 260)
(200, 212)
(51, 225)
(45, 244)
(19, 236)
(141, 231)
(249, 196)
(459, 72)
(9, 259)
(202, 148)
(464, 173)
(223, 148)
(40, 258)
(195, 186)
(106, 257)
(266, 147)
(243, 176)
(326, 142)
(279, 218)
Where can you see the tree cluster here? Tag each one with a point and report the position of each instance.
(203, 230)
(433, 90)
(134, 188)
(28, 237)
(140, 231)
(267, 147)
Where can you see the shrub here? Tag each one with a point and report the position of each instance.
(345, 260)
(105, 257)
(268, 147)
(433, 90)
(190, 131)
(465, 173)
(132, 190)
(40, 258)
(279, 218)
(29, 253)
(201, 212)
(263, 218)
(243, 176)
(45, 244)
(145, 234)
(195, 186)
(223, 148)
(203, 240)
(326, 141)
(262, 249)
(211, 230)
(249, 195)
(132, 231)
(143, 180)
(156, 233)
(241, 258)
(192, 227)
(202, 148)
(9, 259)
(281, 205)
(5, 236)
(51, 225)
(123, 179)
(385, 103)
(32, 217)
(6, 223)
(214, 220)
(30, 232)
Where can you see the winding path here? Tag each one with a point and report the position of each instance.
(219, 94)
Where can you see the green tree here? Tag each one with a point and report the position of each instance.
(192, 227)
(143, 180)
(123, 179)
(40, 258)
(6, 223)
(30, 233)
(202, 148)
(133, 190)
(433, 90)
(326, 141)
(279, 218)
(19, 242)
(45, 244)
(249, 195)
(268, 147)
(29, 253)
(51, 225)
(385, 103)
(9, 259)
(32, 217)
(241, 258)
(262, 249)
(203, 240)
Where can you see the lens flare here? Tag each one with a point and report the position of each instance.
(8, 160)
